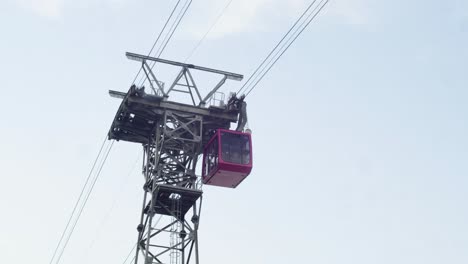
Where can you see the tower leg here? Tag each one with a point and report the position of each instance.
(172, 192)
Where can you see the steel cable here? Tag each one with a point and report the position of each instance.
(85, 202)
(277, 45)
(114, 203)
(78, 200)
(168, 37)
(209, 30)
(173, 28)
(159, 36)
(109, 149)
(287, 47)
(281, 47)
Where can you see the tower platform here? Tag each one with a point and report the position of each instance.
(139, 113)
(165, 195)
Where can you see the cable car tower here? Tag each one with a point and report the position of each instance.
(173, 136)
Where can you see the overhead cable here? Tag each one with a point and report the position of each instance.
(169, 35)
(287, 47)
(175, 25)
(159, 36)
(78, 200)
(277, 45)
(283, 45)
(111, 208)
(209, 30)
(83, 205)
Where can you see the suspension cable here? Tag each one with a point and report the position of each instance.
(78, 200)
(169, 35)
(325, 2)
(175, 25)
(113, 204)
(274, 49)
(85, 202)
(252, 83)
(209, 30)
(159, 36)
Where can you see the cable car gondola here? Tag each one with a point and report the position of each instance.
(227, 158)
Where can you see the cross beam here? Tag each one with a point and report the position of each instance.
(141, 58)
(184, 75)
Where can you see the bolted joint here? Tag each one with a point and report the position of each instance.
(140, 228)
(182, 234)
(146, 187)
(151, 212)
(149, 260)
(192, 176)
(142, 244)
(195, 219)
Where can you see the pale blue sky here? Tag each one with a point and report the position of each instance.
(360, 131)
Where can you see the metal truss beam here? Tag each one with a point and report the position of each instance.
(184, 79)
(138, 57)
(172, 191)
(172, 135)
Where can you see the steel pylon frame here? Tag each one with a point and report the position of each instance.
(171, 190)
(172, 135)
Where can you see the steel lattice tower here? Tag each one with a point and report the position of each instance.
(172, 135)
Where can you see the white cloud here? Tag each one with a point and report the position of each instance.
(54, 8)
(241, 16)
(46, 8)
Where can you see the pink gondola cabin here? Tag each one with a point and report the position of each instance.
(227, 158)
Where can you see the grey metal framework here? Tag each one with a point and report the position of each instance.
(172, 135)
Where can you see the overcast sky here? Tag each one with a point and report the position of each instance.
(359, 131)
